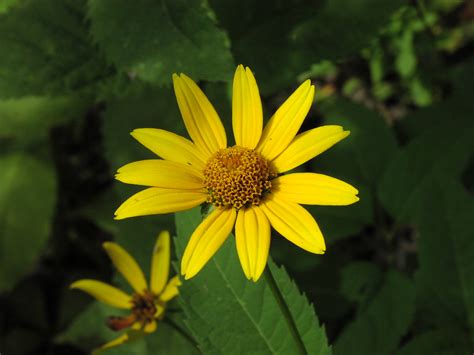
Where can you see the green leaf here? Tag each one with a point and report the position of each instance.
(436, 342)
(29, 118)
(229, 314)
(6, 4)
(444, 148)
(378, 328)
(153, 39)
(27, 200)
(446, 249)
(281, 39)
(360, 281)
(46, 50)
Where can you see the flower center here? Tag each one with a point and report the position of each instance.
(144, 307)
(237, 177)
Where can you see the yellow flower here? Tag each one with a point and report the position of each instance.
(244, 182)
(148, 302)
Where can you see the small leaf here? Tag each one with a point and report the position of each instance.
(153, 39)
(378, 328)
(229, 314)
(27, 200)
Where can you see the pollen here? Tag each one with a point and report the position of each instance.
(237, 177)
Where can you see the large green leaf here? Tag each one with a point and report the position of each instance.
(281, 39)
(153, 39)
(378, 327)
(229, 314)
(445, 280)
(27, 200)
(46, 49)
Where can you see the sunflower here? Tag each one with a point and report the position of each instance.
(246, 183)
(148, 302)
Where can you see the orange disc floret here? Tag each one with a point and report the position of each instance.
(237, 177)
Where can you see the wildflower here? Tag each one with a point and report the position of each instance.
(148, 302)
(244, 182)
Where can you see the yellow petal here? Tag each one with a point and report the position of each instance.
(130, 335)
(247, 117)
(171, 289)
(160, 263)
(126, 265)
(294, 223)
(287, 120)
(104, 293)
(200, 118)
(161, 173)
(206, 240)
(157, 200)
(252, 235)
(314, 189)
(307, 145)
(150, 327)
(170, 146)
(160, 311)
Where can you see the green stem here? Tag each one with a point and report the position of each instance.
(285, 310)
(181, 331)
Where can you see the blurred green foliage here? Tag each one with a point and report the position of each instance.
(76, 76)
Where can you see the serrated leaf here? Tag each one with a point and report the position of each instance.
(153, 39)
(229, 314)
(46, 50)
(378, 328)
(445, 287)
(27, 200)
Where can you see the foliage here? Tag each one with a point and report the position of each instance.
(77, 76)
